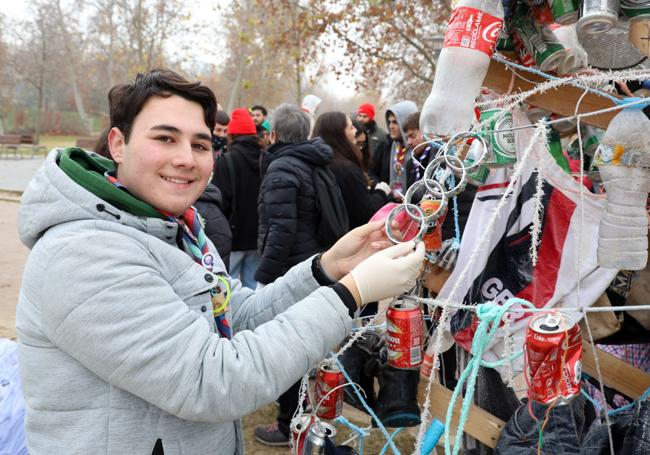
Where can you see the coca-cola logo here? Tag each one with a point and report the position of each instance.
(491, 32)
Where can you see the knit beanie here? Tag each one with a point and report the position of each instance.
(266, 125)
(241, 122)
(367, 109)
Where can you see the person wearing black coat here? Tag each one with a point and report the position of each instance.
(338, 131)
(217, 227)
(288, 222)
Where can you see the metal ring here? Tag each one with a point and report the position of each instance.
(393, 213)
(476, 164)
(434, 165)
(440, 193)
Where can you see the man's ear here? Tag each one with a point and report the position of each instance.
(274, 137)
(116, 145)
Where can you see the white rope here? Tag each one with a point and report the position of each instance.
(538, 209)
(508, 349)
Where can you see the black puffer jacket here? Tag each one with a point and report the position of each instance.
(217, 227)
(287, 208)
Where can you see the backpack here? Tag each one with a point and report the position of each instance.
(334, 222)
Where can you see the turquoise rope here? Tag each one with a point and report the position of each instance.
(367, 408)
(383, 451)
(362, 433)
(490, 315)
(645, 395)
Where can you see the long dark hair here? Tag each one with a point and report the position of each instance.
(330, 126)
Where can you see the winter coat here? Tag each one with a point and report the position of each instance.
(217, 227)
(375, 136)
(361, 201)
(117, 342)
(288, 211)
(383, 167)
(240, 202)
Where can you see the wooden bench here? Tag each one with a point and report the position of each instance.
(87, 143)
(19, 146)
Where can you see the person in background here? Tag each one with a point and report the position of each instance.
(419, 154)
(132, 337)
(264, 134)
(361, 200)
(237, 174)
(390, 157)
(361, 141)
(220, 134)
(259, 114)
(288, 223)
(376, 134)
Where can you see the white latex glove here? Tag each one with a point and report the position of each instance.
(389, 272)
(385, 187)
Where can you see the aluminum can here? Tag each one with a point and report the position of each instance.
(538, 40)
(315, 441)
(504, 152)
(542, 13)
(565, 12)
(328, 378)
(299, 431)
(553, 350)
(597, 16)
(433, 237)
(524, 56)
(404, 335)
(590, 140)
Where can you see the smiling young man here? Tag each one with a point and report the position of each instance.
(132, 337)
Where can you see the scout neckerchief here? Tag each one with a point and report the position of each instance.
(418, 162)
(398, 161)
(196, 245)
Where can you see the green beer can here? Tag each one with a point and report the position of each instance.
(539, 41)
(502, 142)
(565, 12)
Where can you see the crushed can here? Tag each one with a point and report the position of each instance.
(330, 404)
(404, 336)
(299, 431)
(315, 441)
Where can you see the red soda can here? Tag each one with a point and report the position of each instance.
(433, 237)
(299, 431)
(330, 405)
(553, 350)
(404, 335)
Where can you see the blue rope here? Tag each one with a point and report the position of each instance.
(591, 399)
(383, 451)
(554, 78)
(645, 395)
(368, 408)
(432, 436)
(362, 433)
(490, 315)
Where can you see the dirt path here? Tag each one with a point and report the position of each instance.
(12, 260)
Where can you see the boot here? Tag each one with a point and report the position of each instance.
(354, 360)
(397, 403)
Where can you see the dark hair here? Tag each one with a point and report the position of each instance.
(330, 126)
(257, 107)
(126, 100)
(412, 122)
(222, 118)
(101, 146)
(365, 153)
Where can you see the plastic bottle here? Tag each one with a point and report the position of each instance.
(623, 160)
(471, 36)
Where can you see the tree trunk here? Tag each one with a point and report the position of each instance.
(236, 88)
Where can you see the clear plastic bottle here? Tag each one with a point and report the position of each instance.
(623, 160)
(471, 36)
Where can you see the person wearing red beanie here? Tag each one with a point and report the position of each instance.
(241, 123)
(375, 134)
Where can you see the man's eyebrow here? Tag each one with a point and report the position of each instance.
(173, 129)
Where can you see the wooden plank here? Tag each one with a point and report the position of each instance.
(481, 425)
(561, 101)
(616, 373)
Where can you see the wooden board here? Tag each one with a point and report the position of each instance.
(481, 425)
(616, 374)
(561, 101)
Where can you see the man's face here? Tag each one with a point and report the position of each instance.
(363, 118)
(393, 128)
(258, 117)
(220, 130)
(413, 139)
(168, 159)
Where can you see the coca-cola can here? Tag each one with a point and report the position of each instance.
(404, 335)
(327, 379)
(299, 431)
(553, 350)
(315, 441)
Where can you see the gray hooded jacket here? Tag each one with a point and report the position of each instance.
(401, 111)
(117, 342)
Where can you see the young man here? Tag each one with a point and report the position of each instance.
(237, 174)
(220, 134)
(375, 134)
(419, 155)
(259, 114)
(127, 343)
(390, 156)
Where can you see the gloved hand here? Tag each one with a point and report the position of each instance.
(389, 272)
(385, 187)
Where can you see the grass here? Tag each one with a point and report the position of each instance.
(51, 142)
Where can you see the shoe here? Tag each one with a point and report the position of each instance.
(271, 435)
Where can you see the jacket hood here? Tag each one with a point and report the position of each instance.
(314, 151)
(249, 148)
(401, 111)
(70, 186)
(211, 194)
